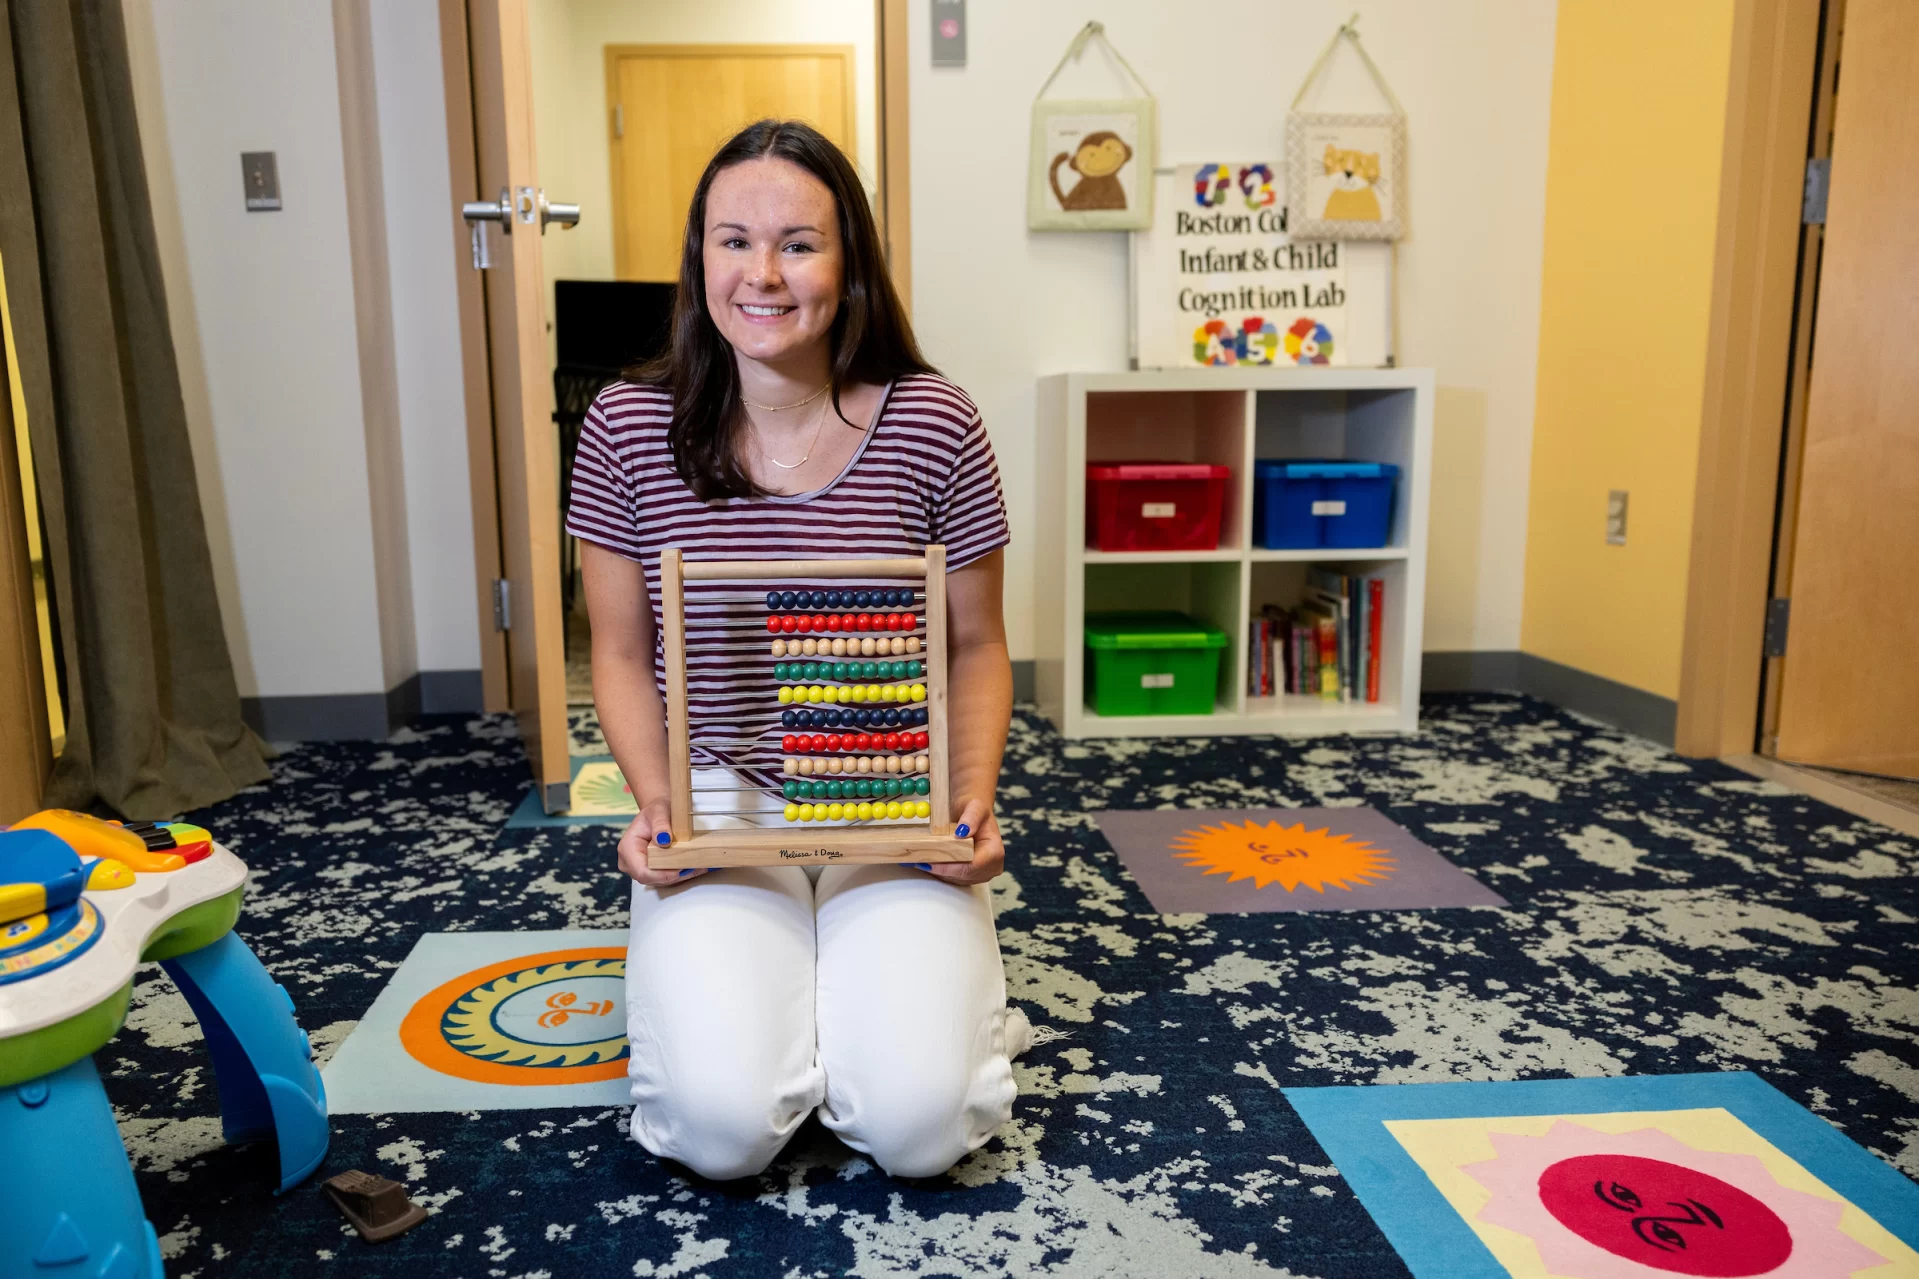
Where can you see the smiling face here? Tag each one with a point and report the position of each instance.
(773, 261)
(1098, 159)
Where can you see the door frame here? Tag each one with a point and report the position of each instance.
(1799, 390)
(895, 220)
(612, 55)
(1751, 377)
(26, 741)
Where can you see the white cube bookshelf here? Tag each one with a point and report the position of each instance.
(1234, 417)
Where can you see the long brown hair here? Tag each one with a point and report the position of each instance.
(872, 340)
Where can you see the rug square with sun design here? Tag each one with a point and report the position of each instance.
(1246, 861)
(1623, 1178)
(491, 1021)
(597, 796)
(1630, 1193)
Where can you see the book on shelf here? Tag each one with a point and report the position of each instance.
(1333, 641)
(1331, 592)
(1327, 646)
(1376, 604)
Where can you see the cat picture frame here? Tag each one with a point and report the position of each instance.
(1092, 165)
(1346, 175)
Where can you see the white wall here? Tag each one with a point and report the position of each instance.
(569, 39)
(422, 263)
(264, 304)
(322, 469)
(263, 313)
(997, 306)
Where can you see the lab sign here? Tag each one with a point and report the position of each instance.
(1218, 281)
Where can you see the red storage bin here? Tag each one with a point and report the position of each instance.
(1154, 506)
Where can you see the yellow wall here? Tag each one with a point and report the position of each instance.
(1632, 199)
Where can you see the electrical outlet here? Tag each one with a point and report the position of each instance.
(1616, 518)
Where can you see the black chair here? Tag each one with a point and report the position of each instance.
(600, 327)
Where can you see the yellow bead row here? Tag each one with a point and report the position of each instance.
(848, 646)
(863, 810)
(852, 694)
(821, 765)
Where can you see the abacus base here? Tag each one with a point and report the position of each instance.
(803, 845)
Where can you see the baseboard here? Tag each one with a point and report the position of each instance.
(1608, 701)
(1469, 672)
(450, 692)
(1023, 681)
(331, 717)
(321, 717)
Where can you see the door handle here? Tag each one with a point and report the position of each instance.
(477, 214)
(567, 215)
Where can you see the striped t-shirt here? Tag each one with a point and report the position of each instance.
(922, 473)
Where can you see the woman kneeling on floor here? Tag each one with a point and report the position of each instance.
(793, 415)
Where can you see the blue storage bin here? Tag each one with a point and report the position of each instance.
(1301, 505)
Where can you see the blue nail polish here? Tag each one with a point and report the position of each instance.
(662, 839)
(688, 871)
(919, 866)
(963, 831)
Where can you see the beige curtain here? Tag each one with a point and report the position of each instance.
(154, 725)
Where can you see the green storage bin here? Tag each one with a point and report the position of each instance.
(1151, 664)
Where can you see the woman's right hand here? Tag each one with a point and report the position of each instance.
(643, 833)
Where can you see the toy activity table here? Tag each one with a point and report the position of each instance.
(82, 902)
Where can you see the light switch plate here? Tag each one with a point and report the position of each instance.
(261, 172)
(1616, 517)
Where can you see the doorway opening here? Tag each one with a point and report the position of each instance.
(629, 104)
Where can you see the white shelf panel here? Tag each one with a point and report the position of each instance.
(1307, 706)
(1328, 555)
(1225, 555)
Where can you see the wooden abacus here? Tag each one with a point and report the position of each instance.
(922, 829)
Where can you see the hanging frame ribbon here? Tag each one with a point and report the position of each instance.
(1087, 34)
(1345, 171)
(1092, 160)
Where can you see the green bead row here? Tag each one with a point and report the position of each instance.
(848, 670)
(861, 788)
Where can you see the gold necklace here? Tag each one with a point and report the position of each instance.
(818, 426)
(781, 408)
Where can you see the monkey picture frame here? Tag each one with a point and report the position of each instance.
(1092, 165)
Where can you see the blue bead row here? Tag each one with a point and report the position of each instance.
(854, 717)
(782, 600)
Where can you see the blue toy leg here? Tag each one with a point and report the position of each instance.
(68, 1205)
(262, 1063)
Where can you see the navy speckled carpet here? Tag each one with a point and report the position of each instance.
(1666, 916)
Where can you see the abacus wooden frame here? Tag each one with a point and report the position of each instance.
(799, 845)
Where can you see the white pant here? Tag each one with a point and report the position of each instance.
(874, 993)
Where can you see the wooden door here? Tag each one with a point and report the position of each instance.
(525, 440)
(1849, 692)
(671, 106)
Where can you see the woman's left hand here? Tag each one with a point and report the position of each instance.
(989, 855)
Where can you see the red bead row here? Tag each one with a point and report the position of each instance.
(790, 622)
(800, 744)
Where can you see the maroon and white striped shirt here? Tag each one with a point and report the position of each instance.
(923, 473)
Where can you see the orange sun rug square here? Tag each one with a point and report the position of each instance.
(491, 1021)
(1248, 861)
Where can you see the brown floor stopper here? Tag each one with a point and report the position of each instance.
(378, 1208)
